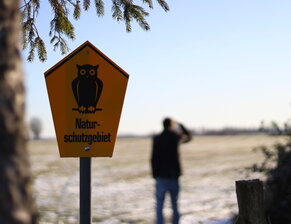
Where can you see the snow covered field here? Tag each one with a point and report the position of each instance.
(122, 187)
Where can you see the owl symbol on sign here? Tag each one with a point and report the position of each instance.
(87, 88)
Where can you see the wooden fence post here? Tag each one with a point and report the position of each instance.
(250, 198)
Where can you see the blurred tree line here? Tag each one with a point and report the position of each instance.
(272, 130)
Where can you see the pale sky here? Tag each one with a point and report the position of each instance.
(206, 63)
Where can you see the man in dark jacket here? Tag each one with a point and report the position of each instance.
(166, 167)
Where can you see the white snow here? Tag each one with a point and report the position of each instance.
(122, 187)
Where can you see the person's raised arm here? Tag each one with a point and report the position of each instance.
(186, 134)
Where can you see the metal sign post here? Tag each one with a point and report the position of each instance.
(85, 190)
(86, 91)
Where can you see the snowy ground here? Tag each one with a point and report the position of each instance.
(122, 187)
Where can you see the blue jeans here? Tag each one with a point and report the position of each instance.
(162, 187)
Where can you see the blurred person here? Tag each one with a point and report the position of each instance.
(166, 168)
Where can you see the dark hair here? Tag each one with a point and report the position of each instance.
(167, 123)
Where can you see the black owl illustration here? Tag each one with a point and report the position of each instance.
(87, 88)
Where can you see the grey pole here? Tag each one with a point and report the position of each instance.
(85, 190)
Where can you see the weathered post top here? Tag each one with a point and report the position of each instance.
(250, 197)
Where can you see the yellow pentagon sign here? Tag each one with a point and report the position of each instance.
(86, 93)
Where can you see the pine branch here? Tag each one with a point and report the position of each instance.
(61, 28)
(99, 7)
(30, 34)
(77, 10)
(42, 54)
(164, 5)
(117, 13)
(61, 25)
(136, 12)
(86, 4)
(149, 3)
(24, 5)
(139, 14)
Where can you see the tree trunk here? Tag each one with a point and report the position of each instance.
(16, 200)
